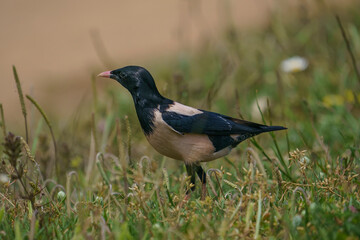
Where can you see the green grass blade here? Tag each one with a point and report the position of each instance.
(3, 125)
(50, 128)
(253, 141)
(94, 92)
(278, 152)
(101, 169)
(128, 129)
(258, 217)
(93, 127)
(36, 136)
(348, 47)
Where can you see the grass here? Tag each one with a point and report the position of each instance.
(298, 184)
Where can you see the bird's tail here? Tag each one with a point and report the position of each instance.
(265, 128)
(256, 130)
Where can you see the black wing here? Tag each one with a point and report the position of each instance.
(213, 124)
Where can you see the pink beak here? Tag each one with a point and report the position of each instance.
(106, 74)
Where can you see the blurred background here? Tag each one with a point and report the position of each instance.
(288, 63)
(59, 46)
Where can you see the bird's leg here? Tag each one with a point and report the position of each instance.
(202, 175)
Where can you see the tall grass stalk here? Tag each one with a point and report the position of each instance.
(254, 155)
(99, 159)
(32, 225)
(167, 186)
(94, 92)
(100, 168)
(39, 175)
(123, 165)
(216, 172)
(277, 152)
(107, 130)
(256, 144)
(68, 191)
(93, 128)
(18, 235)
(258, 218)
(128, 129)
(51, 132)
(248, 215)
(22, 102)
(3, 125)
(36, 136)
(348, 47)
(91, 160)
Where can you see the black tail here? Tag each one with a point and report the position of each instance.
(256, 130)
(265, 128)
(247, 127)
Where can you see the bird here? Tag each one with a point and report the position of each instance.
(182, 132)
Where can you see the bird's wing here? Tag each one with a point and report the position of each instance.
(212, 124)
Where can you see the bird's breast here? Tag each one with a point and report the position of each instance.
(187, 147)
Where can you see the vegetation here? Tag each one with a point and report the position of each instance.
(96, 177)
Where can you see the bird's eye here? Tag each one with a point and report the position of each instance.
(122, 75)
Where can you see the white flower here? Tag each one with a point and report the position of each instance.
(305, 160)
(61, 196)
(294, 64)
(99, 200)
(296, 221)
(4, 178)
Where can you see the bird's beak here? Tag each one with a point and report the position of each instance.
(106, 74)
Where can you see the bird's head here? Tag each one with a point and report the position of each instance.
(136, 79)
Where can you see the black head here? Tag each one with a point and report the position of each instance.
(137, 80)
(142, 87)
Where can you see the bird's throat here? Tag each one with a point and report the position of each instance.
(145, 110)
